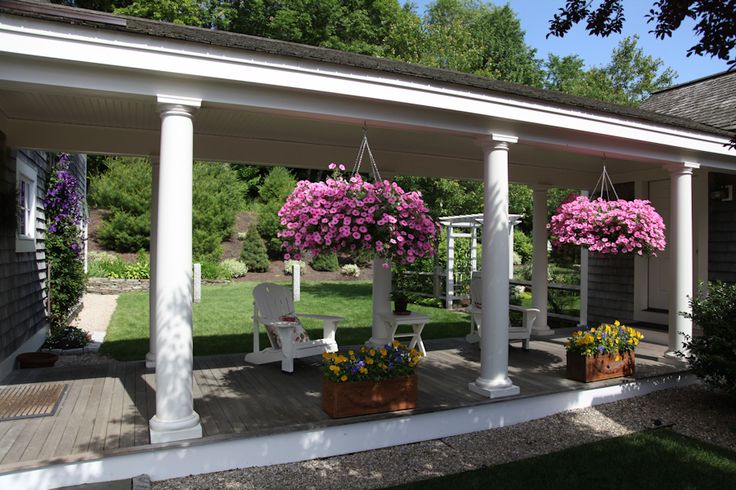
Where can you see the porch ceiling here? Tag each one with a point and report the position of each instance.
(100, 123)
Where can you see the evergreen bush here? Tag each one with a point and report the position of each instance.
(234, 268)
(277, 186)
(289, 266)
(325, 262)
(124, 189)
(711, 356)
(523, 246)
(254, 254)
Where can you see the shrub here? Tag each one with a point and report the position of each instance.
(234, 268)
(125, 190)
(711, 356)
(523, 246)
(325, 262)
(102, 264)
(213, 270)
(289, 266)
(350, 270)
(254, 254)
(63, 243)
(67, 338)
(276, 187)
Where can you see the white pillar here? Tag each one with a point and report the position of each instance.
(197, 283)
(450, 269)
(511, 250)
(175, 418)
(381, 301)
(681, 254)
(151, 355)
(539, 261)
(494, 381)
(296, 282)
(473, 249)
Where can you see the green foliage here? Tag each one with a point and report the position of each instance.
(102, 264)
(712, 356)
(125, 191)
(254, 254)
(234, 268)
(213, 270)
(276, 187)
(350, 270)
(628, 78)
(289, 266)
(326, 262)
(446, 197)
(67, 338)
(523, 246)
(208, 13)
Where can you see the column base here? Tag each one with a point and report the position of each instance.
(494, 392)
(671, 356)
(151, 360)
(543, 331)
(176, 430)
(376, 342)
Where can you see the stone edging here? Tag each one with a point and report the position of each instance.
(103, 285)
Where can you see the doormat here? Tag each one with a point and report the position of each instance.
(27, 401)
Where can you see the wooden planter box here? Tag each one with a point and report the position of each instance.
(596, 368)
(365, 397)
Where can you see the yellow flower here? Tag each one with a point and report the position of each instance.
(369, 360)
(372, 352)
(326, 355)
(617, 323)
(343, 378)
(351, 353)
(384, 352)
(363, 370)
(396, 343)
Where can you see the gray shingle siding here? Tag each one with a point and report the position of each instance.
(22, 275)
(611, 281)
(721, 232)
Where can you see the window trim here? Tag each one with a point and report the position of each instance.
(26, 242)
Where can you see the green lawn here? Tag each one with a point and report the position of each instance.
(645, 460)
(223, 320)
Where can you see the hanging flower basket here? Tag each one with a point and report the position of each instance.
(349, 215)
(608, 226)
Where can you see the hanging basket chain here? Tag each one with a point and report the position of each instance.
(364, 146)
(606, 186)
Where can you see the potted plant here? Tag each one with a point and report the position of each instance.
(602, 353)
(369, 381)
(401, 302)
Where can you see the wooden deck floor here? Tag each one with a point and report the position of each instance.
(107, 406)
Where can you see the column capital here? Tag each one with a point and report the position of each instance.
(184, 106)
(683, 168)
(494, 141)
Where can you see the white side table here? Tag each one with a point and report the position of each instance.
(415, 320)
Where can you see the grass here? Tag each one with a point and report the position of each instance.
(223, 320)
(653, 459)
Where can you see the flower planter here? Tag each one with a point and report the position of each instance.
(597, 368)
(36, 359)
(366, 397)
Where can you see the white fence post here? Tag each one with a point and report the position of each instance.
(197, 296)
(296, 282)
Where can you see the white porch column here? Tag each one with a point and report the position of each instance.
(151, 355)
(539, 261)
(583, 321)
(175, 418)
(494, 381)
(681, 254)
(381, 301)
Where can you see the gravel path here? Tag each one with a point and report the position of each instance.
(692, 411)
(96, 314)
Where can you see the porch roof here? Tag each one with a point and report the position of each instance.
(83, 81)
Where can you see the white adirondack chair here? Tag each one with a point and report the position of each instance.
(273, 308)
(523, 333)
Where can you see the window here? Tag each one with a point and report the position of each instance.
(26, 205)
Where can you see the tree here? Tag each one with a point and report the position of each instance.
(478, 38)
(715, 22)
(630, 77)
(254, 254)
(276, 187)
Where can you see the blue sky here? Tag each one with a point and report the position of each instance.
(596, 51)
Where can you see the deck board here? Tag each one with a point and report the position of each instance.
(108, 406)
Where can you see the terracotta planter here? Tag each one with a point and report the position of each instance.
(596, 368)
(36, 359)
(365, 397)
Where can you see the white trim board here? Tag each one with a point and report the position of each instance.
(174, 460)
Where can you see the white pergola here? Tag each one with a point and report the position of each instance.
(77, 81)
